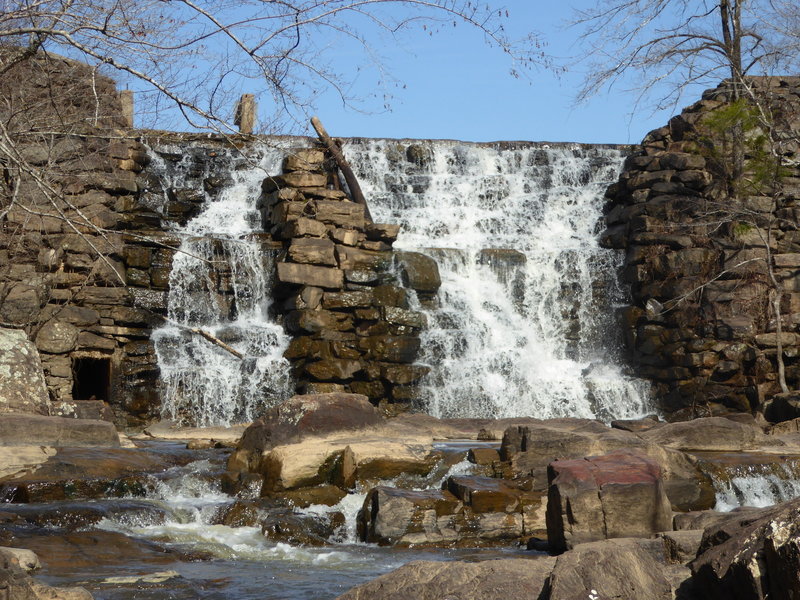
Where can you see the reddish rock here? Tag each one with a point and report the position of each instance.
(612, 496)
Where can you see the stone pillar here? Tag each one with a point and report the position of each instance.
(351, 321)
(126, 104)
(245, 113)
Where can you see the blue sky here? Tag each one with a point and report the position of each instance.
(452, 85)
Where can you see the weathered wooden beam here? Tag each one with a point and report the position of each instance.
(344, 166)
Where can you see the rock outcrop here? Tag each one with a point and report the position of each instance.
(751, 556)
(22, 386)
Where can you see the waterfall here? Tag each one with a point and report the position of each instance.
(524, 323)
(220, 283)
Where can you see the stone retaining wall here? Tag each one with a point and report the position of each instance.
(699, 256)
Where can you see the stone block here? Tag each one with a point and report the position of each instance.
(322, 277)
(382, 232)
(313, 251)
(610, 496)
(356, 259)
(305, 227)
(318, 321)
(90, 341)
(57, 337)
(348, 237)
(787, 260)
(401, 316)
(401, 349)
(419, 272)
(340, 213)
(404, 374)
(21, 304)
(304, 159)
(346, 300)
(484, 494)
(483, 456)
(333, 369)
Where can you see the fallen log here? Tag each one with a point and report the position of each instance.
(344, 166)
(204, 334)
(216, 341)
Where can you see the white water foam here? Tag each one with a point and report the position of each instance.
(524, 322)
(220, 283)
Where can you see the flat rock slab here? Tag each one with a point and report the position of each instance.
(424, 580)
(169, 430)
(711, 433)
(24, 430)
(75, 473)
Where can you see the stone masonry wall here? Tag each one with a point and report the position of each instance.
(339, 287)
(698, 257)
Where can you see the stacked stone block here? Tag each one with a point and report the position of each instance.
(339, 289)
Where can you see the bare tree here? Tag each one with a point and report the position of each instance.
(195, 54)
(668, 45)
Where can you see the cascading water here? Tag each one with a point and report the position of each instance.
(220, 284)
(757, 484)
(524, 319)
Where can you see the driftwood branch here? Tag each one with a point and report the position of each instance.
(344, 166)
(216, 341)
(204, 334)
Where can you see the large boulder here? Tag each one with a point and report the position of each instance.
(22, 385)
(299, 417)
(424, 580)
(529, 448)
(612, 496)
(475, 511)
(751, 556)
(419, 272)
(623, 569)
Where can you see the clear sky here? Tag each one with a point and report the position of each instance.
(453, 86)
